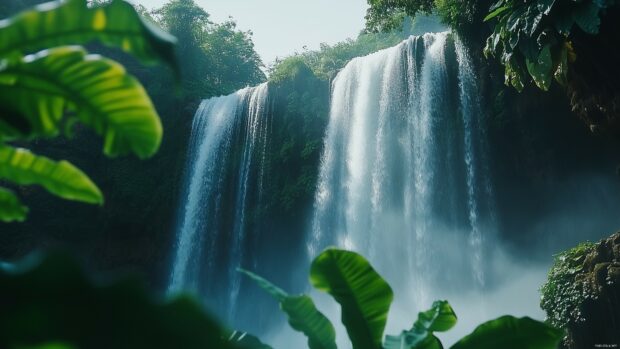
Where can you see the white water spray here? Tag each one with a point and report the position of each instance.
(401, 170)
(201, 229)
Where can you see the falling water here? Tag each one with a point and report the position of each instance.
(402, 173)
(403, 178)
(477, 169)
(220, 125)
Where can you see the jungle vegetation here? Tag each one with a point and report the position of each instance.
(581, 292)
(48, 302)
(365, 298)
(46, 88)
(536, 41)
(329, 59)
(39, 100)
(213, 58)
(217, 52)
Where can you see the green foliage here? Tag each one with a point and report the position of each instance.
(11, 209)
(439, 318)
(59, 178)
(326, 62)
(43, 93)
(562, 295)
(386, 15)
(300, 102)
(460, 14)
(50, 300)
(508, 332)
(47, 302)
(215, 59)
(302, 315)
(365, 299)
(533, 38)
(329, 59)
(364, 296)
(290, 68)
(71, 22)
(98, 92)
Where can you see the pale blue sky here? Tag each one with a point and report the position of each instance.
(282, 27)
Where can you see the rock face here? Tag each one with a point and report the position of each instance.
(593, 87)
(601, 276)
(582, 294)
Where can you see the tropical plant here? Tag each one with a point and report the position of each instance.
(49, 302)
(386, 15)
(582, 291)
(533, 38)
(462, 15)
(365, 299)
(46, 87)
(562, 295)
(329, 59)
(216, 58)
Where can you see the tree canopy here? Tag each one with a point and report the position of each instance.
(215, 58)
(384, 15)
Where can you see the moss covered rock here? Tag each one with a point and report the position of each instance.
(582, 294)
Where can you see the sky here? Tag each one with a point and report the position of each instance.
(282, 27)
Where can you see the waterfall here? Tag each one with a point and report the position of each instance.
(227, 145)
(403, 178)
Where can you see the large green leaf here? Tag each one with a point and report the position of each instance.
(272, 289)
(60, 178)
(44, 86)
(508, 332)
(513, 75)
(439, 318)
(70, 22)
(496, 13)
(303, 315)
(516, 19)
(541, 69)
(532, 19)
(363, 295)
(11, 209)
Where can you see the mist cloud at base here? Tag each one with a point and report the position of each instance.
(515, 294)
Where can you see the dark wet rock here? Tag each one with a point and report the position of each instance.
(582, 294)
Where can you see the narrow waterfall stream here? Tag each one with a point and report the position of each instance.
(219, 123)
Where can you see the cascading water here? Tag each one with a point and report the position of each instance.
(214, 158)
(403, 180)
(402, 177)
(476, 159)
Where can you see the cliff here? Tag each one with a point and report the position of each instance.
(582, 294)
